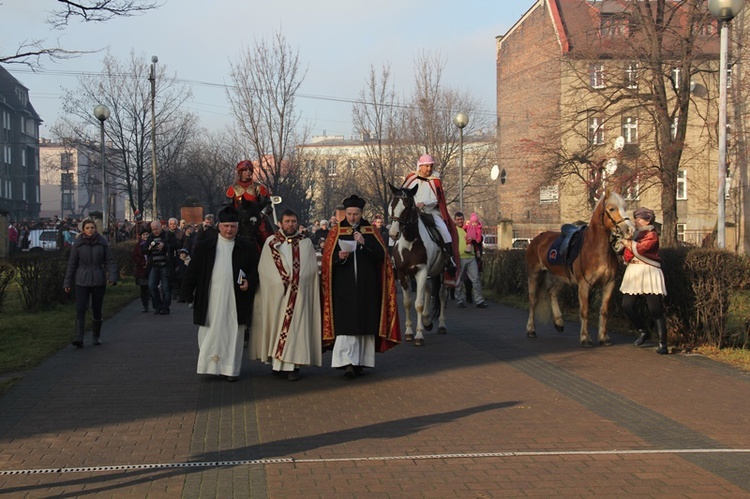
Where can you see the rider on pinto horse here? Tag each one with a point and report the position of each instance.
(430, 199)
(245, 194)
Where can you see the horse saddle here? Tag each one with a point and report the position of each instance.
(565, 249)
(429, 221)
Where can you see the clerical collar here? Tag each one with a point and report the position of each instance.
(296, 237)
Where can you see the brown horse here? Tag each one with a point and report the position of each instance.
(596, 265)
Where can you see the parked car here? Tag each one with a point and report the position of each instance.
(46, 239)
(520, 242)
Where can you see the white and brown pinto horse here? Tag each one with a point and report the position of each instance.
(416, 255)
(596, 265)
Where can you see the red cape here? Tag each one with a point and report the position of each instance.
(389, 330)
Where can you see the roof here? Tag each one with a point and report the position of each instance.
(8, 94)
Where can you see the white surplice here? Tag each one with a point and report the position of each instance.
(302, 345)
(221, 340)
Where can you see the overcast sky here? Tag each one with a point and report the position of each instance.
(338, 41)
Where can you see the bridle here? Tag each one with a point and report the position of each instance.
(404, 223)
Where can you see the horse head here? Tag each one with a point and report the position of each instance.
(402, 210)
(614, 215)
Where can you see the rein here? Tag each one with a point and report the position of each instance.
(614, 238)
(403, 224)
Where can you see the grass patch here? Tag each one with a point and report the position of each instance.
(27, 339)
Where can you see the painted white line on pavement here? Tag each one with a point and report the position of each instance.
(422, 457)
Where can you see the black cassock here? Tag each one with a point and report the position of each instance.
(356, 295)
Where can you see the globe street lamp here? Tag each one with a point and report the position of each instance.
(152, 79)
(724, 11)
(461, 120)
(101, 112)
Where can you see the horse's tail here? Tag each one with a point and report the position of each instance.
(437, 283)
(543, 308)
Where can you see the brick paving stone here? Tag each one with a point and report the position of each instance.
(484, 387)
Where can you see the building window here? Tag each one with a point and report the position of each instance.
(631, 75)
(310, 165)
(596, 131)
(8, 154)
(352, 163)
(67, 201)
(6, 120)
(632, 191)
(596, 75)
(331, 167)
(681, 228)
(66, 161)
(673, 127)
(612, 26)
(729, 77)
(682, 185)
(630, 129)
(708, 28)
(676, 74)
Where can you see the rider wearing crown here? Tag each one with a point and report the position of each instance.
(246, 191)
(430, 199)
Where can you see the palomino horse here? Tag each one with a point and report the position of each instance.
(596, 265)
(416, 255)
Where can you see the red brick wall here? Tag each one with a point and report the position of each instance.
(528, 102)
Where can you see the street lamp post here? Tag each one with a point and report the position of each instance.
(101, 112)
(461, 120)
(724, 11)
(152, 79)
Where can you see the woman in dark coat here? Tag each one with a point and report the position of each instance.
(140, 266)
(89, 263)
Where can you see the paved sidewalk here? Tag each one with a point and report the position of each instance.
(480, 412)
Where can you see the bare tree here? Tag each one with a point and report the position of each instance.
(657, 52)
(378, 120)
(428, 127)
(125, 89)
(265, 82)
(30, 52)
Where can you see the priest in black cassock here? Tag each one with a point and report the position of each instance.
(359, 296)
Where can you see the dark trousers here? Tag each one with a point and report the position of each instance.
(145, 294)
(653, 302)
(162, 298)
(83, 295)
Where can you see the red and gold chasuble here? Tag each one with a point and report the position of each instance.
(389, 329)
(288, 280)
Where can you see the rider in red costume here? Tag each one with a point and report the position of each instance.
(254, 193)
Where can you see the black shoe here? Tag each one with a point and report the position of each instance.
(461, 304)
(662, 350)
(232, 379)
(77, 343)
(293, 375)
(157, 311)
(359, 370)
(164, 311)
(349, 372)
(145, 309)
(643, 337)
(482, 305)
(97, 341)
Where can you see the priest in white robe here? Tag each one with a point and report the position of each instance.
(286, 326)
(220, 281)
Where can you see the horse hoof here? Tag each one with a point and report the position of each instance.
(409, 337)
(442, 330)
(605, 343)
(419, 342)
(559, 329)
(428, 327)
(531, 334)
(587, 343)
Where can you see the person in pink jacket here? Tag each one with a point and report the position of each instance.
(643, 277)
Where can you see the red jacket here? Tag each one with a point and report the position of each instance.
(646, 245)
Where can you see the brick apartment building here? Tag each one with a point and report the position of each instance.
(555, 68)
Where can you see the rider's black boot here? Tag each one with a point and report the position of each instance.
(450, 264)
